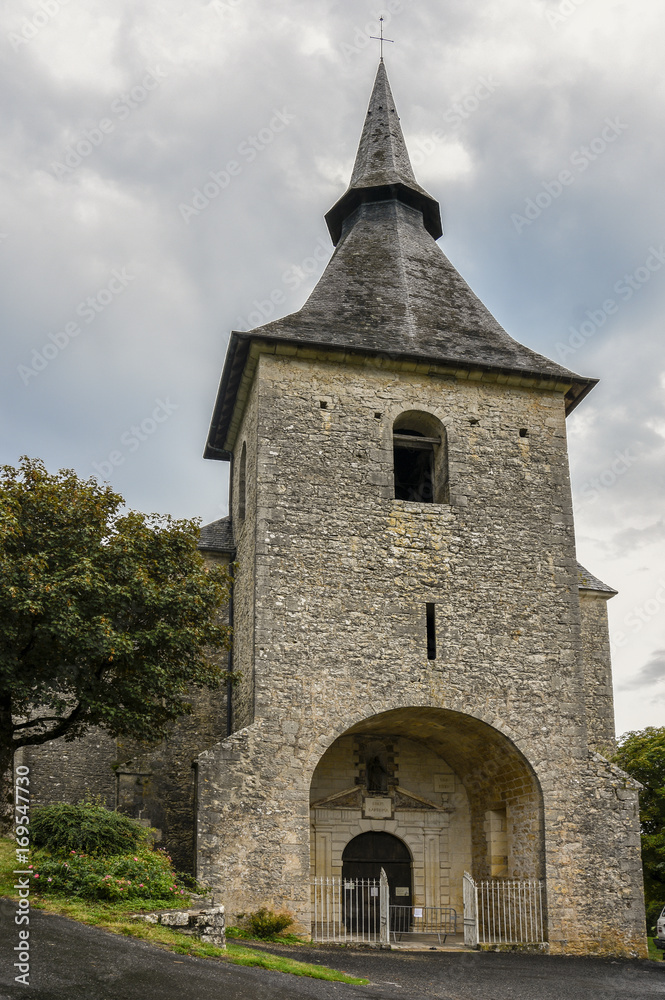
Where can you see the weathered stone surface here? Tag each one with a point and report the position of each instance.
(599, 696)
(208, 925)
(335, 575)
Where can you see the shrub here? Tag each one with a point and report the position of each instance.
(264, 923)
(85, 828)
(146, 875)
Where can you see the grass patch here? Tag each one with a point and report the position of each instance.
(116, 918)
(246, 956)
(655, 954)
(240, 933)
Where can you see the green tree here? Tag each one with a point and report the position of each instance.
(642, 755)
(107, 617)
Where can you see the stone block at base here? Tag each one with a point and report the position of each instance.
(208, 925)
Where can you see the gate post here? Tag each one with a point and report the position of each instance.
(470, 911)
(384, 911)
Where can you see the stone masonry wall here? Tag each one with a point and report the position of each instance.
(159, 784)
(342, 575)
(244, 594)
(69, 772)
(599, 696)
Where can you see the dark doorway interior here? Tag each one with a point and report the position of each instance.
(367, 854)
(414, 467)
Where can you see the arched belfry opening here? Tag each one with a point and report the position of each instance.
(434, 793)
(420, 457)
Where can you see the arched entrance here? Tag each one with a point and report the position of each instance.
(452, 791)
(365, 856)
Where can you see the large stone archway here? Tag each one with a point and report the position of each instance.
(454, 789)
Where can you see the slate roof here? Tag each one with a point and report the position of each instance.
(587, 581)
(388, 290)
(383, 168)
(218, 537)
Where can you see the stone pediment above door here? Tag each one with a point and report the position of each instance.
(404, 799)
(348, 798)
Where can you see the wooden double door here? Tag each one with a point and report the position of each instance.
(363, 858)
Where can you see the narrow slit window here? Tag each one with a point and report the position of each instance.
(431, 631)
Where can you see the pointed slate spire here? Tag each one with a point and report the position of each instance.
(382, 169)
(388, 291)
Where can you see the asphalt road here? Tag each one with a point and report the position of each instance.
(72, 962)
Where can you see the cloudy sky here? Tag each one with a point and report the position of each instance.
(538, 125)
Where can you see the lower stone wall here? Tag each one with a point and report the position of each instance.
(598, 893)
(254, 839)
(207, 924)
(156, 785)
(70, 772)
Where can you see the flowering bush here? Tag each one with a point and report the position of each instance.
(146, 875)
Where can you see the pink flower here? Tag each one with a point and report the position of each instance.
(29, 866)
(140, 885)
(72, 852)
(36, 876)
(49, 879)
(135, 859)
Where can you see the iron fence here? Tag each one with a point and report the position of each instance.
(503, 911)
(346, 910)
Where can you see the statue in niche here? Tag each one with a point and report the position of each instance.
(377, 775)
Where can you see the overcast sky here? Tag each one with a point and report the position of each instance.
(537, 124)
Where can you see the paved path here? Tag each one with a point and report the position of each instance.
(72, 962)
(486, 976)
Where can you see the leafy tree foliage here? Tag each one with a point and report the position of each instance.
(642, 755)
(106, 616)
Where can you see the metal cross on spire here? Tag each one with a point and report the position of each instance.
(380, 38)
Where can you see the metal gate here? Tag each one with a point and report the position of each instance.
(432, 921)
(496, 911)
(503, 911)
(350, 910)
(470, 911)
(358, 910)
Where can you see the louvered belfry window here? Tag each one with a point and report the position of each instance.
(420, 459)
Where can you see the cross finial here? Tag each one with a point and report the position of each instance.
(380, 38)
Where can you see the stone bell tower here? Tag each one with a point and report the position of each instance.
(424, 676)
